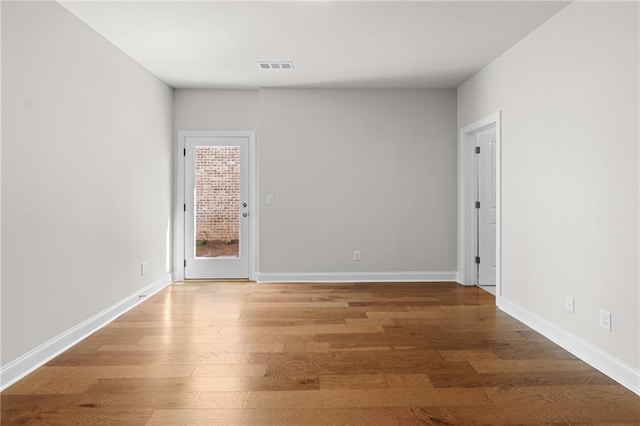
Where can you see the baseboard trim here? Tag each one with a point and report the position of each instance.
(340, 277)
(460, 280)
(25, 364)
(613, 367)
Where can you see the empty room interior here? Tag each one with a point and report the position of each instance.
(320, 212)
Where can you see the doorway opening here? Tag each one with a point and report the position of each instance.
(485, 206)
(216, 220)
(479, 207)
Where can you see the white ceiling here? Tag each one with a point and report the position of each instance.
(332, 44)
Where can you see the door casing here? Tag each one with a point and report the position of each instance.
(467, 224)
(179, 192)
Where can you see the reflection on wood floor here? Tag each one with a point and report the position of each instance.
(317, 354)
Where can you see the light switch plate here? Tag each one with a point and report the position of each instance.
(569, 304)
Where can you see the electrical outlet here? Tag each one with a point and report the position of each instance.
(569, 304)
(605, 319)
(356, 255)
(143, 268)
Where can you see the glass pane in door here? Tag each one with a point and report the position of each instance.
(217, 201)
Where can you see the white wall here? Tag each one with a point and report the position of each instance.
(569, 99)
(0, 180)
(86, 175)
(372, 170)
(215, 109)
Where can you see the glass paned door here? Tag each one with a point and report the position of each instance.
(217, 197)
(216, 207)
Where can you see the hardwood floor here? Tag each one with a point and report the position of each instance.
(317, 354)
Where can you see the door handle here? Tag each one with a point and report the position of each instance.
(245, 214)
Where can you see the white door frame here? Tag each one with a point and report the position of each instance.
(178, 209)
(467, 225)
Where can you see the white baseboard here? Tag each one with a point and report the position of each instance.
(460, 280)
(351, 277)
(25, 364)
(613, 367)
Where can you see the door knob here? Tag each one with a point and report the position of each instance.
(245, 214)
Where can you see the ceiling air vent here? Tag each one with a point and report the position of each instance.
(275, 65)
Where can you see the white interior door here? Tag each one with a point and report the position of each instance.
(216, 207)
(487, 211)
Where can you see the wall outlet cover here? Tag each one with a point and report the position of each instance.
(605, 319)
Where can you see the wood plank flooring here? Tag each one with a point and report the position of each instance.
(231, 353)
